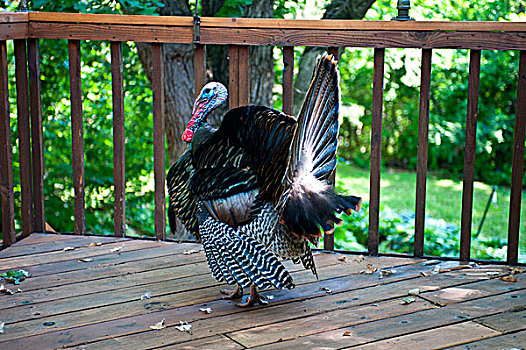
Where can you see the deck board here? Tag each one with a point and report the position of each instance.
(97, 304)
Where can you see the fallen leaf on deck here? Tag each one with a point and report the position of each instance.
(375, 304)
(517, 270)
(19, 290)
(159, 325)
(270, 297)
(327, 290)
(6, 290)
(93, 244)
(116, 249)
(492, 273)
(342, 258)
(414, 292)
(347, 334)
(425, 274)
(85, 260)
(384, 273)
(436, 270)
(146, 295)
(184, 327)
(14, 277)
(359, 259)
(370, 270)
(407, 300)
(2, 326)
(509, 278)
(68, 248)
(206, 310)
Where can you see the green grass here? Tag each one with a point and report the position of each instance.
(443, 199)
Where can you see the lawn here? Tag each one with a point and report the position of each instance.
(443, 200)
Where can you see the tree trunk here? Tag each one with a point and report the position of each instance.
(337, 9)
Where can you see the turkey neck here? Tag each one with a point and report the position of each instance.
(203, 133)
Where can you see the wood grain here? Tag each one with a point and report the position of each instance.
(233, 76)
(200, 68)
(517, 164)
(288, 79)
(469, 155)
(244, 76)
(6, 154)
(77, 135)
(119, 163)
(24, 135)
(37, 139)
(13, 30)
(421, 169)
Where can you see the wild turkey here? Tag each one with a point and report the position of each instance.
(259, 186)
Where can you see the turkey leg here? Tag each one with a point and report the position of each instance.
(233, 294)
(254, 297)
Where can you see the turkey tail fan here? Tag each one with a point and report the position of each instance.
(309, 202)
(236, 257)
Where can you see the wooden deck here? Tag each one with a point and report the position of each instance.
(89, 297)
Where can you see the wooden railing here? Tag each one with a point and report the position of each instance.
(28, 28)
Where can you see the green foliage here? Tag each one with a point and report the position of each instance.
(14, 277)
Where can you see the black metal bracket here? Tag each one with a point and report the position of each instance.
(403, 7)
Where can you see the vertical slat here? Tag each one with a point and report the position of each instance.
(117, 83)
(469, 155)
(77, 135)
(233, 76)
(6, 165)
(288, 79)
(22, 102)
(376, 151)
(335, 51)
(158, 140)
(36, 134)
(517, 165)
(244, 76)
(421, 168)
(200, 68)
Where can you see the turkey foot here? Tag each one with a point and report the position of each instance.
(254, 297)
(233, 294)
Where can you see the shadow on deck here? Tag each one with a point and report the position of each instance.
(89, 297)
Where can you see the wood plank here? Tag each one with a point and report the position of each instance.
(469, 155)
(507, 341)
(110, 18)
(24, 132)
(37, 238)
(364, 38)
(13, 17)
(200, 68)
(405, 324)
(376, 151)
(288, 80)
(506, 322)
(77, 135)
(233, 77)
(421, 169)
(113, 32)
(517, 164)
(37, 139)
(436, 338)
(244, 75)
(119, 163)
(10, 31)
(215, 342)
(6, 154)
(158, 140)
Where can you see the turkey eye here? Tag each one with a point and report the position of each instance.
(206, 91)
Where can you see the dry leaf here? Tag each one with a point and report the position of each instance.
(359, 258)
(6, 290)
(384, 273)
(327, 290)
(436, 270)
(116, 249)
(19, 290)
(146, 295)
(517, 270)
(159, 325)
(375, 304)
(85, 260)
(407, 300)
(2, 327)
(206, 310)
(342, 258)
(509, 278)
(370, 270)
(94, 244)
(68, 248)
(347, 334)
(184, 327)
(492, 273)
(414, 292)
(190, 251)
(270, 297)
(425, 274)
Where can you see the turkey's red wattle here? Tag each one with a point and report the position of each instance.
(187, 135)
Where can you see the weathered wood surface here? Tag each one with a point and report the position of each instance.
(96, 305)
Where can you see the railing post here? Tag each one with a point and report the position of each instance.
(77, 135)
(518, 164)
(288, 79)
(22, 102)
(376, 152)
(119, 177)
(6, 154)
(421, 169)
(36, 134)
(469, 155)
(158, 140)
